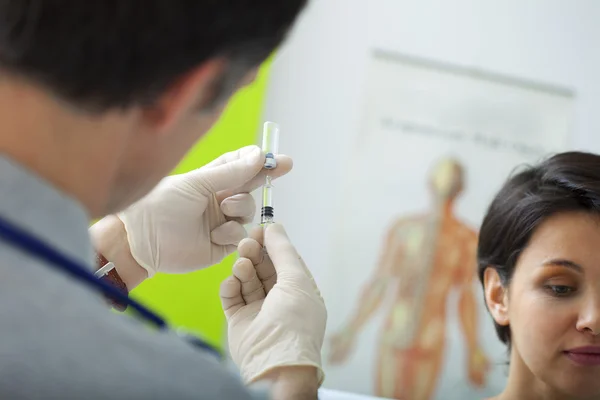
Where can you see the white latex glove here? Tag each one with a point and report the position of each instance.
(193, 220)
(275, 313)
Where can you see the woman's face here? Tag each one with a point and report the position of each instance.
(553, 307)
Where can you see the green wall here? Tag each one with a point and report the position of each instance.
(191, 301)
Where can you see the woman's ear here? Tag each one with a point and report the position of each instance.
(496, 296)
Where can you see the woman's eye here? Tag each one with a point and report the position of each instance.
(560, 290)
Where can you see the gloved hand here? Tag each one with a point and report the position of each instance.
(193, 220)
(275, 313)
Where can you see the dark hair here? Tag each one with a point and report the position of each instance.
(565, 182)
(105, 54)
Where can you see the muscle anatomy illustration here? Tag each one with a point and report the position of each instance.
(424, 258)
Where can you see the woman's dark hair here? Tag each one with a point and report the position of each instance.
(565, 182)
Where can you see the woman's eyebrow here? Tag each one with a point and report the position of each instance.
(563, 263)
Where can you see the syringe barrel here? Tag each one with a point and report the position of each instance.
(267, 194)
(267, 211)
(270, 143)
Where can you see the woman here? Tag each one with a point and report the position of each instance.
(539, 262)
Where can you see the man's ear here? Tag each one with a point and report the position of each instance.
(496, 296)
(190, 93)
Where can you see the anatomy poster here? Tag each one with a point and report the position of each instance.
(406, 313)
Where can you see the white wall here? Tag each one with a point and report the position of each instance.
(317, 81)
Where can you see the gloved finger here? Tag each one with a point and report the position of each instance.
(266, 273)
(282, 252)
(231, 296)
(312, 279)
(231, 170)
(257, 233)
(241, 207)
(230, 233)
(284, 165)
(252, 288)
(264, 269)
(233, 155)
(251, 249)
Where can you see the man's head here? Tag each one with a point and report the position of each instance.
(151, 75)
(446, 179)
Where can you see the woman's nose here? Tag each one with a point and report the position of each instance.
(589, 316)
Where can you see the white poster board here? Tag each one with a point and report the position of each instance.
(416, 114)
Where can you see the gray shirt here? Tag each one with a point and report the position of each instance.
(59, 339)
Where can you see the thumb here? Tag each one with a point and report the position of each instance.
(282, 252)
(231, 170)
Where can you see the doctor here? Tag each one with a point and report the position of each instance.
(98, 101)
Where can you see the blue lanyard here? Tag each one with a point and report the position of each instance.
(18, 238)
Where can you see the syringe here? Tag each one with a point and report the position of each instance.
(270, 145)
